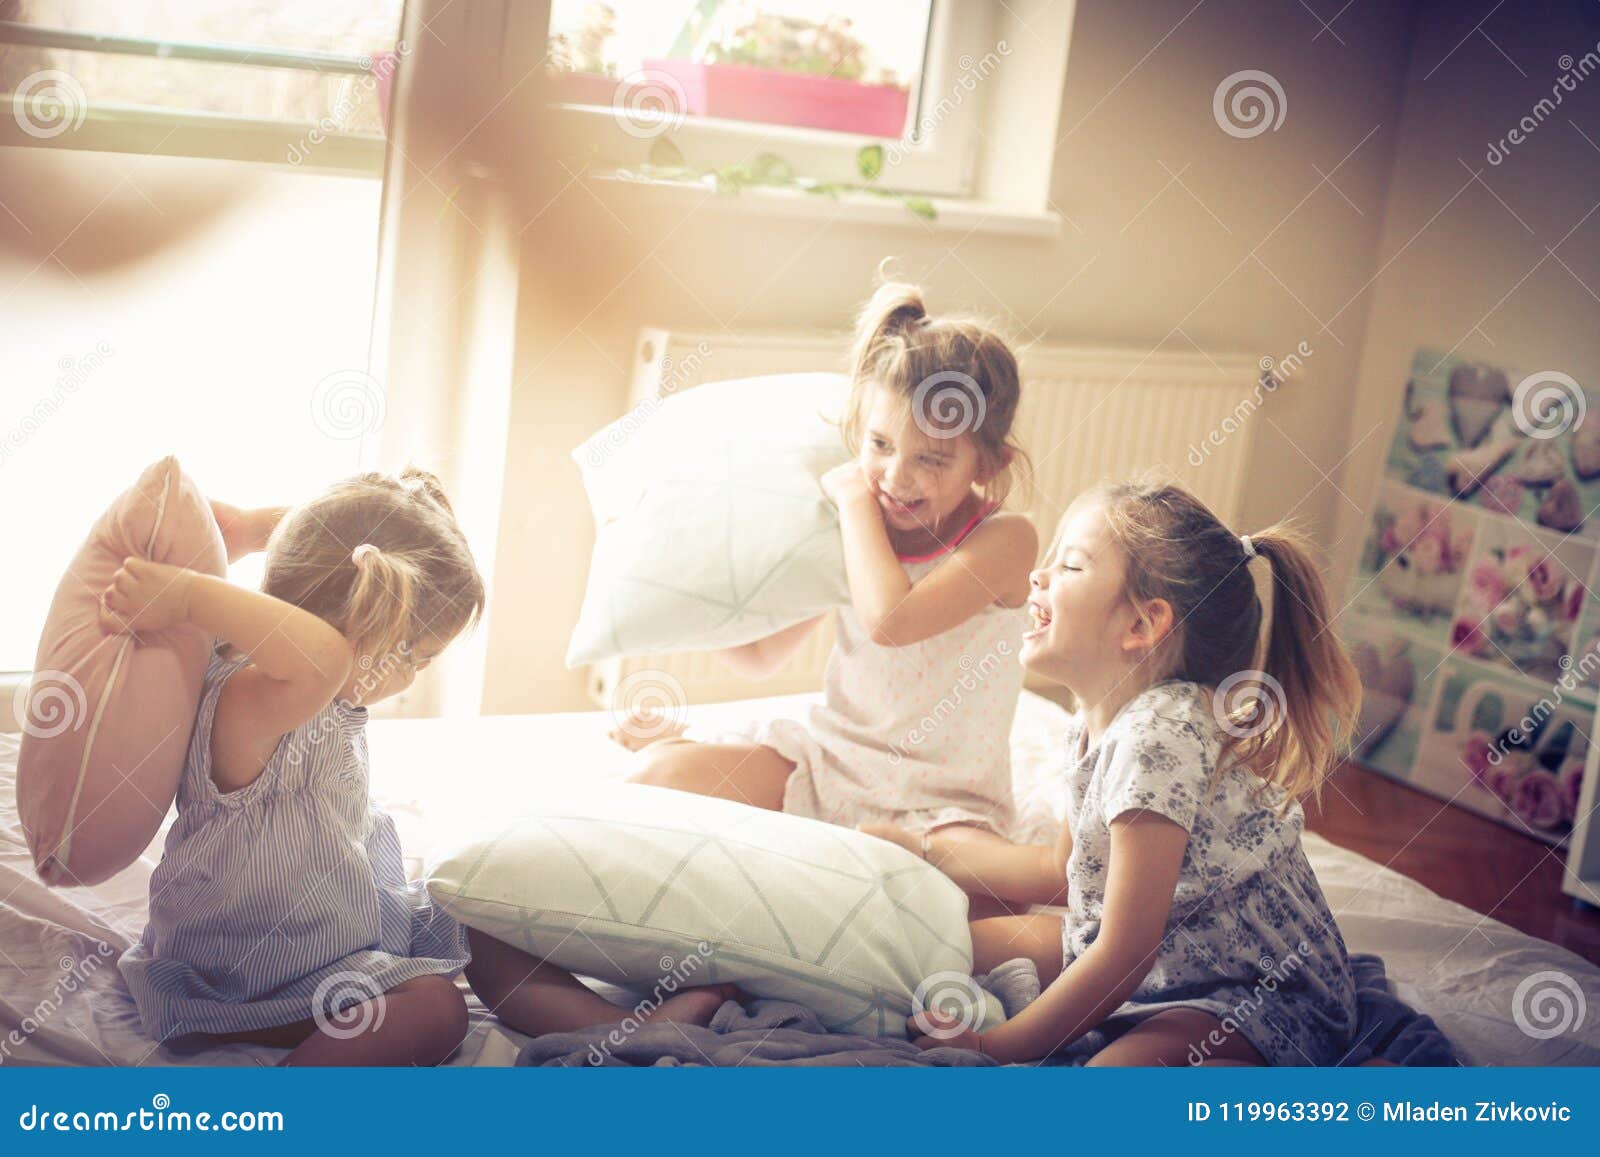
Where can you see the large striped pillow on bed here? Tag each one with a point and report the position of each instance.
(657, 889)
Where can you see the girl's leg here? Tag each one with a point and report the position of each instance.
(1176, 1037)
(743, 772)
(535, 997)
(1002, 938)
(419, 1022)
(981, 905)
(641, 729)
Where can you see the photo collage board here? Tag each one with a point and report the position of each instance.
(1473, 616)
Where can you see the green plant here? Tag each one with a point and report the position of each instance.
(826, 47)
(584, 50)
(666, 163)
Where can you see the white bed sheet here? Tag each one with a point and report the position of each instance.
(1461, 968)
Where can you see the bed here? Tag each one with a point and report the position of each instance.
(62, 1001)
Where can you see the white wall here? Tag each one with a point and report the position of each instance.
(1245, 249)
(1458, 270)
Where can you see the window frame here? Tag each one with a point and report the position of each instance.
(110, 126)
(938, 157)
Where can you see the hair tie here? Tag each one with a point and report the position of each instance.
(1249, 547)
(361, 552)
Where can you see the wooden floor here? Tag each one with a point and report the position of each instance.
(1468, 859)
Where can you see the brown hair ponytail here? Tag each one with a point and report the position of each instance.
(1286, 720)
(957, 372)
(380, 557)
(382, 601)
(1320, 689)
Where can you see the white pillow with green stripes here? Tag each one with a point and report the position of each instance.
(644, 886)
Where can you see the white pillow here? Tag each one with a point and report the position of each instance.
(633, 885)
(711, 528)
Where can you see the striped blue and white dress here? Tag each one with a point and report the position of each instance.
(284, 900)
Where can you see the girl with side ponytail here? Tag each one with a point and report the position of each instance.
(1195, 931)
(281, 891)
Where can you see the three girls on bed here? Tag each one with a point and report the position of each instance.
(280, 914)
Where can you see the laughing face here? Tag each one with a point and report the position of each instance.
(1082, 620)
(918, 481)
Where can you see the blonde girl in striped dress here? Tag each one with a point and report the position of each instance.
(280, 913)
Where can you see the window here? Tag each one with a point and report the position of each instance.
(808, 83)
(241, 350)
(243, 347)
(258, 80)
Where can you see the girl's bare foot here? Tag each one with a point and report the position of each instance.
(694, 1005)
(637, 730)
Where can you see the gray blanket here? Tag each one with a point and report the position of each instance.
(776, 1032)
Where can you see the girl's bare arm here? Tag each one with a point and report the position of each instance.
(298, 662)
(766, 656)
(1019, 873)
(1146, 858)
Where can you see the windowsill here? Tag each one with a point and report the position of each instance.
(952, 214)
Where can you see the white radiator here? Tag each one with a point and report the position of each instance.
(1087, 415)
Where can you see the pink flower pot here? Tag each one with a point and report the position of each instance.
(768, 96)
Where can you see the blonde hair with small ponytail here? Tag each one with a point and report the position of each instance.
(381, 558)
(1175, 549)
(958, 372)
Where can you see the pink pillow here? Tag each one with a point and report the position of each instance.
(108, 717)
